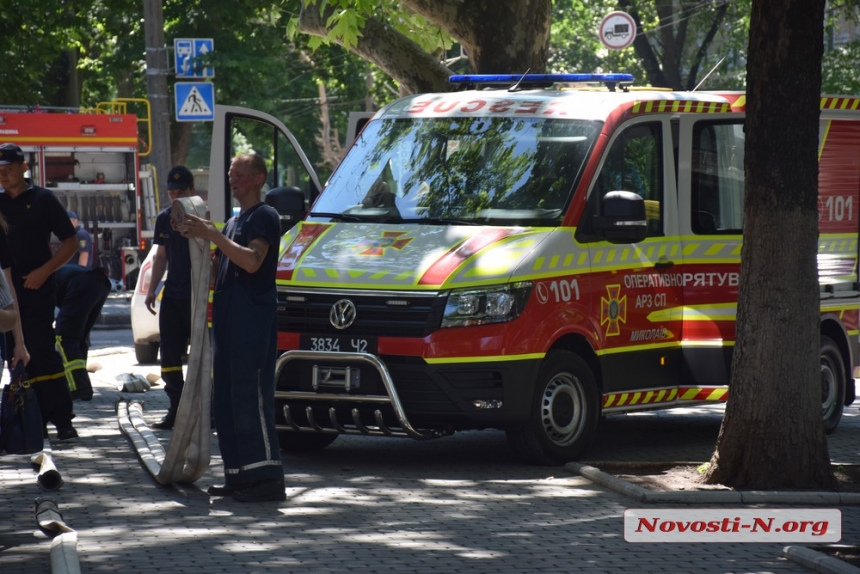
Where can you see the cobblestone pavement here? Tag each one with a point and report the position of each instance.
(459, 504)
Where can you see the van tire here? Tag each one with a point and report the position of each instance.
(565, 411)
(832, 384)
(146, 353)
(304, 442)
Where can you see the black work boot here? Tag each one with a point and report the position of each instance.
(167, 422)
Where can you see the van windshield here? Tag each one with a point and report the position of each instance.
(472, 170)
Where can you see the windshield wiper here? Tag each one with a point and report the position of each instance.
(438, 221)
(340, 216)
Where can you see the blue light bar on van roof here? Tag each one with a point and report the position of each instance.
(537, 78)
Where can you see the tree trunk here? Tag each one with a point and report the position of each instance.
(499, 37)
(772, 436)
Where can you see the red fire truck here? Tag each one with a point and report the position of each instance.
(531, 259)
(90, 159)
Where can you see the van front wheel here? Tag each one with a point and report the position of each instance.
(564, 413)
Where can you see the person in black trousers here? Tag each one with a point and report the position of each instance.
(244, 337)
(33, 214)
(174, 316)
(81, 294)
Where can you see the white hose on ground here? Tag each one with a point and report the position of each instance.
(49, 477)
(187, 455)
(64, 545)
(64, 554)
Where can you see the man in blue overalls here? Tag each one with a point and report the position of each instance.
(244, 337)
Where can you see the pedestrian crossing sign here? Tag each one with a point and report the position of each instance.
(195, 101)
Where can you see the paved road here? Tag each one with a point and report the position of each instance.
(459, 504)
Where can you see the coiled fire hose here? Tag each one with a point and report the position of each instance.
(187, 455)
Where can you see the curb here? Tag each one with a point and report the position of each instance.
(713, 496)
(817, 561)
(112, 321)
(116, 312)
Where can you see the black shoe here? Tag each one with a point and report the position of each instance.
(66, 433)
(82, 396)
(166, 423)
(271, 490)
(222, 490)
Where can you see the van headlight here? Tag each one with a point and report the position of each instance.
(480, 306)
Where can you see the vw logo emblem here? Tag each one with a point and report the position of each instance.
(342, 314)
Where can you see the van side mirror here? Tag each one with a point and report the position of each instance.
(622, 218)
(289, 202)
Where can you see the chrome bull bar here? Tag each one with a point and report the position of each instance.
(357, 425)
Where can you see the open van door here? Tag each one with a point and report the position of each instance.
(238, 130)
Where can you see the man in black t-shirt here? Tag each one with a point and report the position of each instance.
(33, 214)
(174, 317)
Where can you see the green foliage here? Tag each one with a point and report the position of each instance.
(575, 45)
(839, 71)
(349, 16)
(257, 66)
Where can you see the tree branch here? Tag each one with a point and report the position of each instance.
(414, 69)
(716, 24)
(650, 62)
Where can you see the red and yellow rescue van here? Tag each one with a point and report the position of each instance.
(530, 260)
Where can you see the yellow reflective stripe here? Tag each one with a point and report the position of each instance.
(710, 343)
(496, 358)
(716, 312)
(171, 369)
(630, 398)
(70, 380)
(47, 377)
(839, 103)
(703, 393)
(679, 106)
(629, 348)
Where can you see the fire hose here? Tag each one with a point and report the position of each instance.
(49, 477)
(187, 454)
(64, 551)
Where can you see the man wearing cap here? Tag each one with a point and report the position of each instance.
(174, 317)
(33, 214)
(84, 256)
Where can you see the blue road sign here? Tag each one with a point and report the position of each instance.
(186, 51)
(195, 101)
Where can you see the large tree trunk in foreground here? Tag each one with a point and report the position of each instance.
(772, 436)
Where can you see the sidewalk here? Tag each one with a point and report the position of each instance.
(459, 504)
(116, 312)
